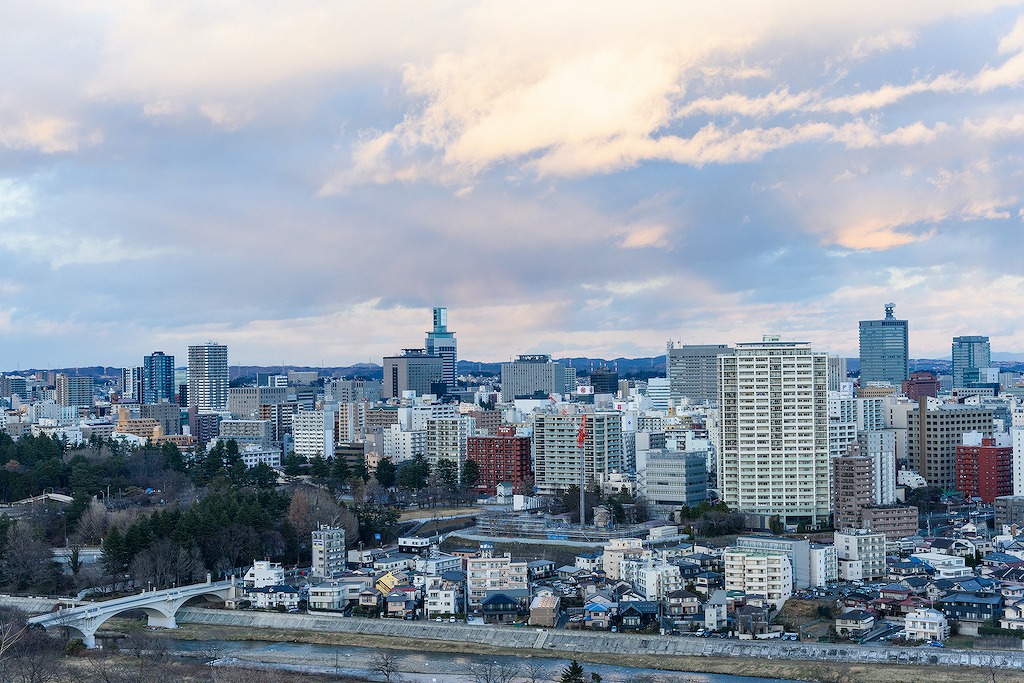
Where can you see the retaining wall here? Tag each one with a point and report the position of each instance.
(580, 641)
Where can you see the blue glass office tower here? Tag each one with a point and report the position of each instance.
(158, 378)
(884, 349)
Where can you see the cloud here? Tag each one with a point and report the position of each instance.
(645, 237)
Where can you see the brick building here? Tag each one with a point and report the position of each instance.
(984, 468)
(501, 457)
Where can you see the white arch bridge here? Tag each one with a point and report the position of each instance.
(160, 606)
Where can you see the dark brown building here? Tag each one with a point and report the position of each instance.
(502, 457)
(921, 384)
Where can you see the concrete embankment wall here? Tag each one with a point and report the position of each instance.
(567, 642)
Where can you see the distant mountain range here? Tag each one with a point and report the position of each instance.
(638, 368)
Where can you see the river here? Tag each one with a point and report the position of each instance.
(418, 667)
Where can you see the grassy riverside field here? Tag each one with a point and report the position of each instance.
(788, 669)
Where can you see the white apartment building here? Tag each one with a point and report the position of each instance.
(313, 433)
(413, 418)
(208, 376)
(840, 436)
(866, 413)
(557, 457)
(263, 573)
(402, 445)
(328, 546)
(759, 572)
(618, 550)
(447, 438)
(926, 624)
(652, 578)
(489, 573)
(338, 594)
(253, 454)
(774, 431)
(438, 564)
(860, 555)
(945, 566)
(824, 564)
(442, 598)
(880, 446)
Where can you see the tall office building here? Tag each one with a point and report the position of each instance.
(531, 375)
(73, 390)
(158, 378)
(441, 343)
(131, 384)
(884, 349)
(971, 354)
(692, 371)
(415, 370)
(935, 430)
(774, 431)
(605, 381)
(557, 457)
(208, 376)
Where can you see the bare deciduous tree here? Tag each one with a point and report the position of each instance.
(492, 672)
(385, 665)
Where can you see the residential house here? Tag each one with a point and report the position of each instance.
(1013, 615)
(540, 569)
(500, 608)
(638, 614)
(716, 611)
(752, 621)
(400, 604)
(855, 622)
(978, 607)
(926, 624)
(681, 603)
(597, 615)
(273, 597)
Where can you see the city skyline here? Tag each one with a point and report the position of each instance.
(305, 183)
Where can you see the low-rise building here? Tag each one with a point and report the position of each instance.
(762, 572)
(860, 555)
(544, 610)
(855, 622)
(490, 573)
(926, 624)
(273, 597)
(442, 597)
(263, 574)
(652, 579)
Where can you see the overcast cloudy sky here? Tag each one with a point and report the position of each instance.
(304, 180)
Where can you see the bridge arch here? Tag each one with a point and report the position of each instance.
(160, 608)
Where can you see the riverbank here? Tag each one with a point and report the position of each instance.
(826, 672)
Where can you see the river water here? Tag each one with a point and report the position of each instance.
(416, 666)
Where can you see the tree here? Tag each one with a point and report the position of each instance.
(447, 473)
(470, 473)
(319, 467)
(414, 474)
(387, 473)
(385, 665)
(573, 673)
(775, 524)
(493, 672)
(293, 464)
(340, 469)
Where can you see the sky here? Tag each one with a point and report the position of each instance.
(303, 181)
